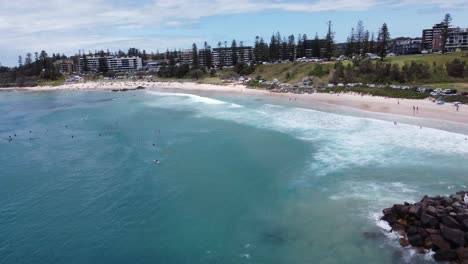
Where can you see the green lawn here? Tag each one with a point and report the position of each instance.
(429, 58)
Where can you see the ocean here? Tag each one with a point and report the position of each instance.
(165, 177)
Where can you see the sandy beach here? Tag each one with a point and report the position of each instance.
(426, 108)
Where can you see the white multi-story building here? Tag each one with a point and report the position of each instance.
(457, 39)
(113, 63)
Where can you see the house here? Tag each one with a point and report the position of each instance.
(373, 56)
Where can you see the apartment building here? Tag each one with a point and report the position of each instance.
(457, 39)
(113, 63)
(223, 57)
(432, 39)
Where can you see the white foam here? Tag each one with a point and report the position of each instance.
(340, 142)
(194, 98)
(409, 255)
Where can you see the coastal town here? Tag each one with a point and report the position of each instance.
(251, 131)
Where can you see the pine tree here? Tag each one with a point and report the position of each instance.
(284, 50)
(257, 49)
(265, 52)
(194, 56)
(102, 67)
(351, 44)
(291, 48)
(384, 39)
(447, 23)
(359, 37)
(28, 59)
(274, 48)
(208, 59)
(300, 47)
(365, 43)
(234, 52)
(316, 47)
(372, 44)
(241, 52)
(20, 61)
(329, 42)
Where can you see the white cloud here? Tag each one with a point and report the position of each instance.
(66, 25)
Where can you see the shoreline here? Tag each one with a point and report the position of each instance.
(393, 106)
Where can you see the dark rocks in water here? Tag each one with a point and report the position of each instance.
(462, 254)
(404, 242)
(128, 89)
(416, 240)
(435, 223)
(455, 236)
(428, 220)
(439, 243)
(450, 222)
(446, 255)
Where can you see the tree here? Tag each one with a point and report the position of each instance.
(447, 23)
(300, 50)
(383, 40)
(350, 45)
(85, 63)
(360, 33)
(208, 59)
(456, 68)
(274, 48)
(395, 73)
(102, 67)
(365, 43)
(265, 52)
(257, 49)
(241, 52)
(196, 74)
(291, 48)
(329, 42)
(221, 55)
(316, 47)
(234, 52)
(194, 55)
(28, 59)
(20, 61)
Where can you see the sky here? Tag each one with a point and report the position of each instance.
(66, 26)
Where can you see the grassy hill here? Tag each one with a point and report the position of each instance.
(295, 72)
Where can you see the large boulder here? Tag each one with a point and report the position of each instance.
(390, 218)
(462, 254)
(465, 225)
(450, 222)
(415, 210)
(428, 220)
(454, 236)
(439, 242)
(416, 240)
(446, 255)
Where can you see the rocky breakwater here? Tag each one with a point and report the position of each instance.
(436, 223)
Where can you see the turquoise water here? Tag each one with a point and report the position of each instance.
(240, 180)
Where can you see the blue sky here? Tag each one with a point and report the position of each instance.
(67, 26)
